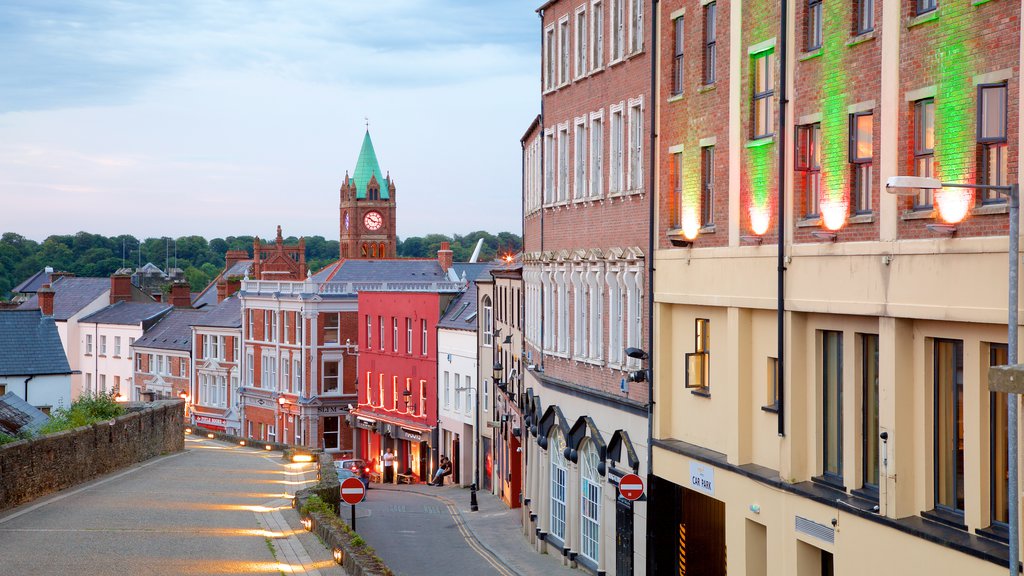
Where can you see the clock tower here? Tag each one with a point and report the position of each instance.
(368, 210)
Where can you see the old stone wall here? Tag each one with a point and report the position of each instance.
(33, 468)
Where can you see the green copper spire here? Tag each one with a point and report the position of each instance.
(366, 166)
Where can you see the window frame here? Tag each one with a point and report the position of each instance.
(832, 475)
(808, 161)
(864, 17)
(957, 409)
(997, 436)
(710, 42)
(559, 489)
(924, 109)
(707, 186)
(678, 57)
(424, 339)
(761, 101)
(581, 35)
(700, 358)
(862, 168)
(988, 144)
(925, 6)
(869, 390)
(813, 18)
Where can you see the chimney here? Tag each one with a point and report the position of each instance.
(181, 296)
(45, 296)
(231, 285)
(233, 256)
(444, 256)
(120, 288)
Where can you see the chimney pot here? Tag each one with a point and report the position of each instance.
(120, 288)
(45, 296)
(444, 256)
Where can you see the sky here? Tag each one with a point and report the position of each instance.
(226, 118)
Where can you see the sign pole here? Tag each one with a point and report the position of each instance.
(353, 507)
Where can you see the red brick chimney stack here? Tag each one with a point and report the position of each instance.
(45, 295)
(444, 256)
(233, 256)
(120, 288)
(181, 296)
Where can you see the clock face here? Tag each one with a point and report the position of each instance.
(373, 220)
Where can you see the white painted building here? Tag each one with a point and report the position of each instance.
(33, 364)
(105, 343)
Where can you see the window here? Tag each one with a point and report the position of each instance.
(579, 179)
(615, 317)
(487, 395)
(131, 342)
(369, 332)
(559, 472)
(286, 378)
(470, 400)
(813, 23)
(707, 186)
(88, 343)
(332, 432)
(394, 334)
(458, 392)
(423, 338)
(992, 145)
(581, 42)
(596, 147)
(563, 51)
(252, 326)
(269, 372)
(485, 321)
(869, 416)
(101, 387)
(590, 501)
(764, 91)
(832, 405)
(562, 190)
(615, 177)
(948, 438)
(579, 328)
(88, 384)
(103, 345)
(698, 362)
(865, 17)
(998, 454)
(710, 35)
(331, 328)
(250, 377)
(597, 29)
(861, 154)
(677, 189)
(286, 316)
(138, 363)
(808, 162)
(618, 29)
(394, 393)
(562, 315)
(270, 327)
(772, 384)
(447, 390)
(636, 147)
(296, 376)
(408, 335)
(636, 26)
(549, 166)
(117, 345)
(380, 324)
(924, 148)
(549, 58)
(677, 64)
(216, 347)
(423, 397)
(924, 6)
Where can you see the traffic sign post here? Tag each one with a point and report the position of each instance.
(631, 487)
(352, 493)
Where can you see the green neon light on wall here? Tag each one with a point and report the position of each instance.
(834, 99)
(954, 93)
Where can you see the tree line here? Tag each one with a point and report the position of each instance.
(86, 254)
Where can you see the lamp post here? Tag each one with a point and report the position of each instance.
(476, 446)
(906, 185)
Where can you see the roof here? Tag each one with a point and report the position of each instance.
(461, 313)
(208, 297)
(16, 415)
(366, 166)
(30, 344)
(128, 313)
(32, 284)
(173, 331)
(227, 314)
(71, 295)
(427, 270)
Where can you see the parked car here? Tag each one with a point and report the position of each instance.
(353, 468)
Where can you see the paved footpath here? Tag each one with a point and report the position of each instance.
(213, 509)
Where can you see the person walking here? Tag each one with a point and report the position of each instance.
(389, 466)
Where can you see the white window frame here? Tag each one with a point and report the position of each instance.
(579, 180)
(251, 365)
(559, 474)
(635, 163)
(597, 35)
(117, 346)
(296, 376)
(470, 399)
(564, 41)
(581, 37)
(284, 322)
(550, 52)
(408, 336)
(616, 154)
(618, 10)
(487, 321)
(616, 316)
(425, 340)
(88, 343)
(369, 332)
(394, 334)
(562, 313)
(562, 186)
(103, 345)
(447, 390)
(323, 375)
(458, 392)
(636, 26)
(596, 303)
(590, 502)
(286, 376)
(549, 166)
(596, 164)
(580, 324)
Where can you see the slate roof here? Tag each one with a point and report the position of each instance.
(128, 313)
(30, 344)
(32, 284)
(16, 415)
(227, 314)
(173, 331)
(208, 297)
(461, 313)
(367, 166)
(427, 270)
(71, 294)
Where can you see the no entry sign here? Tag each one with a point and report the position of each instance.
(352, 491)
(631, 487)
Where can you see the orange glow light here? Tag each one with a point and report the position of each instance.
(833, 213)
(953, 203)
(691, 223)
(760, 218)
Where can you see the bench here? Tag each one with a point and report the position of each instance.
(375, 477)
(405, 478)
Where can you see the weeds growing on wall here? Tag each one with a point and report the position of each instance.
(88, 409)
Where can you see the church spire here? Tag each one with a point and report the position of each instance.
(367, 167)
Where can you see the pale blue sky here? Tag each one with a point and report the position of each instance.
(224, 118)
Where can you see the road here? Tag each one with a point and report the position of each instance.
(213, 509)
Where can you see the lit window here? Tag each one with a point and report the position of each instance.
(764, 90)
(861, 155)
(992, 143)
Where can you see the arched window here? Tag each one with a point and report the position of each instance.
(486, 320)
(373, 250)
(381, 251)
(363, 251)
(590, 501)
(556, 453)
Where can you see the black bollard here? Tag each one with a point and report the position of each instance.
(472, 497)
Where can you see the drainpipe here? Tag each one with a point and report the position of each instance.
(652, 243)
(26, 388)
(781, 304)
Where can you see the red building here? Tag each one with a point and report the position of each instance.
(398, 375)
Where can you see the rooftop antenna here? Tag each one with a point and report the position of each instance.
(122, 251)
(367, 120)
(167, 253)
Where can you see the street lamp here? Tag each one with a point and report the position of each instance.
(906, 186)
(476, 444)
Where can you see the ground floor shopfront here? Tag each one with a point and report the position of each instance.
(455, 440)
(411, 444)
(320, 424)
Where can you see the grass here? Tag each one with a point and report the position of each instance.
(88, 409)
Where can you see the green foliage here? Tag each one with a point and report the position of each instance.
(358, 541)
(315, 504)
(5, 439)
(88, 409)
(462, 246)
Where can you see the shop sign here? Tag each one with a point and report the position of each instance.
(209, 420)
(330, 410)
(702, 478)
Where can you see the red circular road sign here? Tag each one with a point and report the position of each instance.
(352, 490)
(631, 487)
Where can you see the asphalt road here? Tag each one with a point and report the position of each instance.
(416, 535)
(212, 509)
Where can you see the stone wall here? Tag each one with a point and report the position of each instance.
(33, 468)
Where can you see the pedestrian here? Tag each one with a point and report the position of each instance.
(389, 466)
(444, 468)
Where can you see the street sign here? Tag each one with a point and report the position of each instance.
(352, 491)
(631, 487)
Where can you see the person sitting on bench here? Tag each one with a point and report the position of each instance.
(443, 470)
